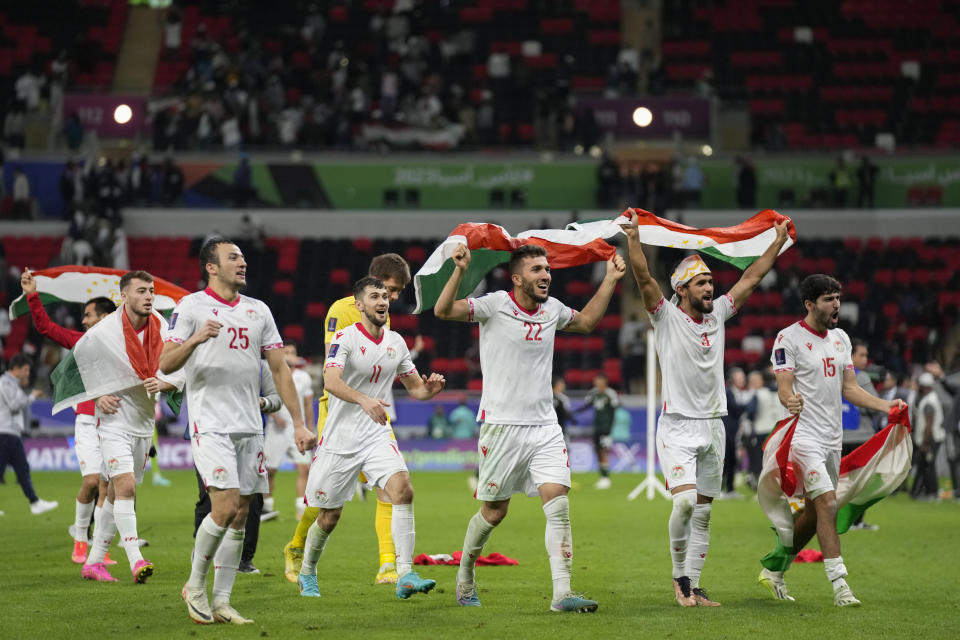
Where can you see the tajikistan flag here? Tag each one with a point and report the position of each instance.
(74, 283)
(868, 474)
(490, 245)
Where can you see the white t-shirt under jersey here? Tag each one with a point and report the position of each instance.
(516, 357)
(691, 358)
(817, 361)
(223, 373)
(370, 367)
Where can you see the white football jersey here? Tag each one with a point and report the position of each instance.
(304, 386)
(516, 357)
(691, 358)
(817, 361)
(370, 367)
(223, 373)
(137, 413)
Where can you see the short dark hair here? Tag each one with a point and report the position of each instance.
(134, 275)
(18, 360)
(858, 342)
(390, 265)
(523, 252)
(364, 282)
(102, 305)
(817, 285)
(208, 254)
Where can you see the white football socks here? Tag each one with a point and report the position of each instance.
(209, 535)
(679, 528)
(126, 517)
(81, 520)
(478, 532)
(104, 529)
(313, 548)
(225, 564)
(699, 542)
(301, 506)
(267, 504)
(404, 534)
(836, 571)
(558, 538)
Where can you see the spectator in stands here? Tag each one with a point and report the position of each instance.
(866, 183)
(171, 183)
(928, 436)
(463, 420)
(68, 189)
(746, 183)
(438, 424)
(14, 409)
(27, 89)
(949, 394)
(140, 180)
(13, 125)
(21, 194)
(608, 182)
(840, 184)
(73, 132)
(693, 181)
(243, 191)
(172, 32)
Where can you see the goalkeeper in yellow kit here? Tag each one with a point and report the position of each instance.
(394, 272)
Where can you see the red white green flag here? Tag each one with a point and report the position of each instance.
(868, 474)
(490, 245)
(74, 283)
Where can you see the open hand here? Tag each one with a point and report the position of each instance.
(108, 405)
(435, 383)
(375, 409)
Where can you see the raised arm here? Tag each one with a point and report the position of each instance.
(587, 319)
(649, 289)
(855, 394)
(421, 387)
(61, 335)
(447, 306)
(754, 273)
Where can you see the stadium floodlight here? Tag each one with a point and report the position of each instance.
(122, 114)
(642, 117)
(707, 150)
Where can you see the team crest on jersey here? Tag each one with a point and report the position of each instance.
(677, 472)
(332, 324)
(251, 314)
(391, 353)
(219, 474)
(321, 495)
(710, 322)
(839, 345)
(809, 346)
(113, 464)
(333, 350)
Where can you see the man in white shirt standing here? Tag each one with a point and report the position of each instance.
(928, 434)
(362, 363)
(812, 361)
(691, 440)
(521, 445)
(218, 336)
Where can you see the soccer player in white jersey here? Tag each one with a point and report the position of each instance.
(218, 336)
(690, 435)
(812, 361)
(521, 445)
(278, 440)
(362, 363)
(126, 419)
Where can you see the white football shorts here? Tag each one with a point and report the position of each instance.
(123, 453)
(520, 458)
(691, 451)
(333, 476)
(278, 444)
(86, 442)
(231, 461)
(818, 468)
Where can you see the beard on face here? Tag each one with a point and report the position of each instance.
(701, 305)
(530, 288)
(829, 320)
(372, 317)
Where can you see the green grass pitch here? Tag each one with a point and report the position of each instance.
(905, 573)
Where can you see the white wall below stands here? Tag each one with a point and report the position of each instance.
(404, 224)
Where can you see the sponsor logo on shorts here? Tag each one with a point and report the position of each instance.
(219, 474)
(677, 472)
(321, 495)
(113, 464)
(780, 356)
(332, 324)
(813, 475)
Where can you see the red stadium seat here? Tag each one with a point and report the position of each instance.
(293, 332)
(316, 310)
(283, 287)
(339, 276)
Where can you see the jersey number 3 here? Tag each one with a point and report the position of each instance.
(531, 336)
